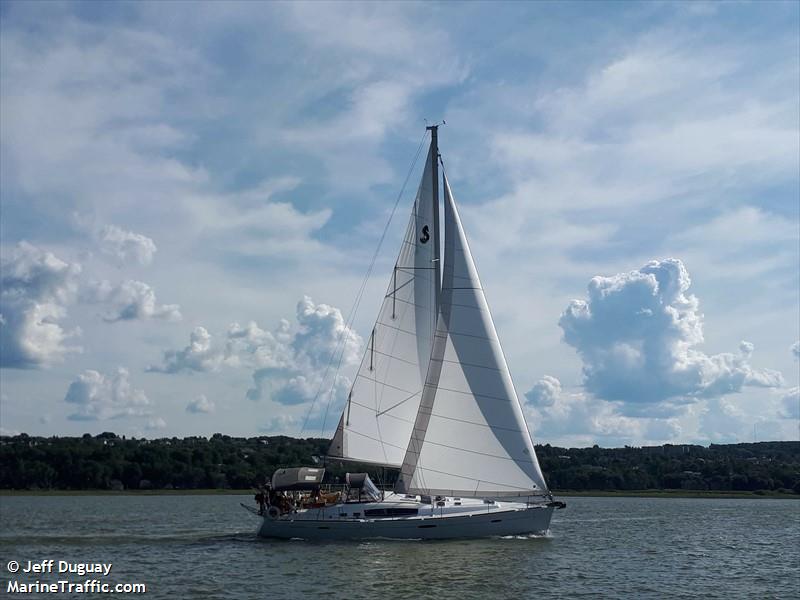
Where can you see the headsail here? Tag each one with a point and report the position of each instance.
(377, 420)
(470, 436)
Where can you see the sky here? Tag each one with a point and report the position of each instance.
(192, 193)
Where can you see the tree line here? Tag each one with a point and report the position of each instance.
(110, 462)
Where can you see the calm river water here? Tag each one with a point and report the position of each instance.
(205, 547)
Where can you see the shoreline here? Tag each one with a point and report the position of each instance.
(713, 494)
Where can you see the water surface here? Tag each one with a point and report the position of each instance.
(205, 546)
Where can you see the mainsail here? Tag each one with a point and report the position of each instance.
(470, 436)
(377, 420)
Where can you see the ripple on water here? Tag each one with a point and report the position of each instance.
(206, 546)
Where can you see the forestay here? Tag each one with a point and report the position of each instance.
(377, 420)
(470, 436)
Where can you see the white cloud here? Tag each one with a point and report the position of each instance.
(664, 119)
(250, 223)
(723, 421)
(100, 397)
(36, 287)
(155, 424)
(790, 408)
(544, 392)
(285, 424)
(765, 247)
(291, 363)
(201, 404)
(129, 301)
(576, 419)
(323, 332)
(637, 333)
(663, 430)
(661, 113)
(320, 343)
(376, 85)
(199, 355)
(795, 350)
(127, 246)
(762, 415)
(78, 101)
(252, 347)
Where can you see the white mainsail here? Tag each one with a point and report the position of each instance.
(470, 436)
(382, 405)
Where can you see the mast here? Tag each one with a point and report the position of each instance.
(437, 263)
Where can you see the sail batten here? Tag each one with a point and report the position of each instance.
(470, 436)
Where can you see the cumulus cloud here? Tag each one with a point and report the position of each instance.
(279, 424)
(99, 397)
(246, 346)
(155, 424)
(662, 429)
(795, 350)
(251, 346)
(199, 355)
(636, 335)
(544, 392)
(35, 288)
(723, 421)
(582, 419)
(126, 246)
(320, 338)
(129, 301)
(289, 363)
(322, 332)
(201, 404)
(790, 404)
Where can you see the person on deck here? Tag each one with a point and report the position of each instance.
(261, 499)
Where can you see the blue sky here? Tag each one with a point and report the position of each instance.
(191, 194)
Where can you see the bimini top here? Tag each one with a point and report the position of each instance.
(298, 478)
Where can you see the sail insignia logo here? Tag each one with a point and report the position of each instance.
(425, 235)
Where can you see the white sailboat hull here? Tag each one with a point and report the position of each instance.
(501, 521)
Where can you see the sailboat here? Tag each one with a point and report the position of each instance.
(433, 397)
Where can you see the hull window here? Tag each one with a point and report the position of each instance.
(390, 512)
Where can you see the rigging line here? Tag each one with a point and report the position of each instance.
(507, 485)
(359, 296)
(397, 289)
(398, 404)
(479, 453)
